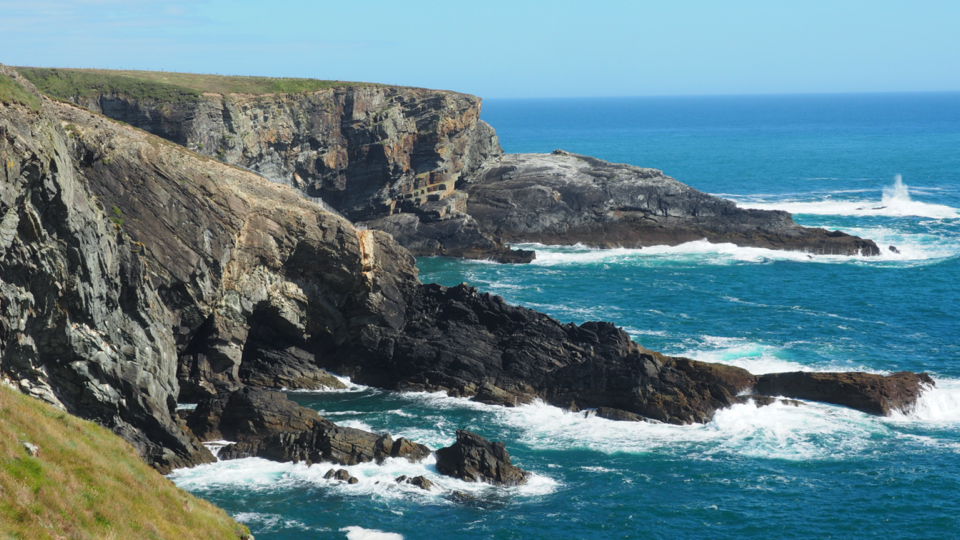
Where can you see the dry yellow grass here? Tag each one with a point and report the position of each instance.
(86, 482)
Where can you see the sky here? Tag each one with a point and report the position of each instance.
(511, 48)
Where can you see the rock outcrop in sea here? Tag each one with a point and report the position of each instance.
(136, 274)
(475, 459)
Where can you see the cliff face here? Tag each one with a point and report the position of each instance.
(80, 324)
(420, 165)
(137, 273)
(367, 151)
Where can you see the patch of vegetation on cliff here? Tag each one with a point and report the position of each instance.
(163, 85)
(85, 482)
(12, 92)
(81, 83)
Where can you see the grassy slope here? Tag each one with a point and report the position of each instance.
(11, 92)
(162, 85)
(88, 483)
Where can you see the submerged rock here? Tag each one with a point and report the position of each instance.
(475, 459)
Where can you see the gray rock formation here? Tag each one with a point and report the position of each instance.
(564, 199)
(81, 325)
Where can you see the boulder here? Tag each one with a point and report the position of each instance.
(475, 459)
(419, 481)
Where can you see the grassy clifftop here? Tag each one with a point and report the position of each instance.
(85, 482)
(65, 83)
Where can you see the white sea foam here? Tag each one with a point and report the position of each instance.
(938, 405)
(894, 202)
(374, 480)
(350, 387)
(911, 247)
(780, 431)
(273, 522)
(359, 533)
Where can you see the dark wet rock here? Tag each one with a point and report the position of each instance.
(420, 481)
(866, 392)
(250, 413)
(893, 249)
(475, 459)
(614, 414)
(457, 340)
(763, 401)
(342, 475)
(267, 424)
(289, 368)
(565, 199)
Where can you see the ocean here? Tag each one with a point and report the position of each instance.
(881, 166)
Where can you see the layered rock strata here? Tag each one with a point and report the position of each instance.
(563, 199)
(81, 324)
(386, 155)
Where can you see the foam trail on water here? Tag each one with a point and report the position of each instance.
(359, 533)
(895, 202)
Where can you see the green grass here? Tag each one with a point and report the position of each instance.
(65, 83)
(12, 92)
(88, 483)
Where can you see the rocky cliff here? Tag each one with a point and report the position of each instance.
(421, 165)
(81, 325)
(135, 273)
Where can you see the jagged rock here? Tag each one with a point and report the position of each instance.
(866, 392)
(32, 449)
(250, 413)
(566, 199)
(456, 339)
(409, 450)
(290, 367)
(267, 424)
(475, 459)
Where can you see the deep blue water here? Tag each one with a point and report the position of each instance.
(886, 167)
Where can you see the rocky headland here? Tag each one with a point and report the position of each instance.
(136, 274)
(421, 165)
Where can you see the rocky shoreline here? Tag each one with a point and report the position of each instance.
(137, 274)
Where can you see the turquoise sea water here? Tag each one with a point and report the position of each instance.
(886, 167)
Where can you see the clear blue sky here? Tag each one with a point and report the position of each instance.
(511, 48)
